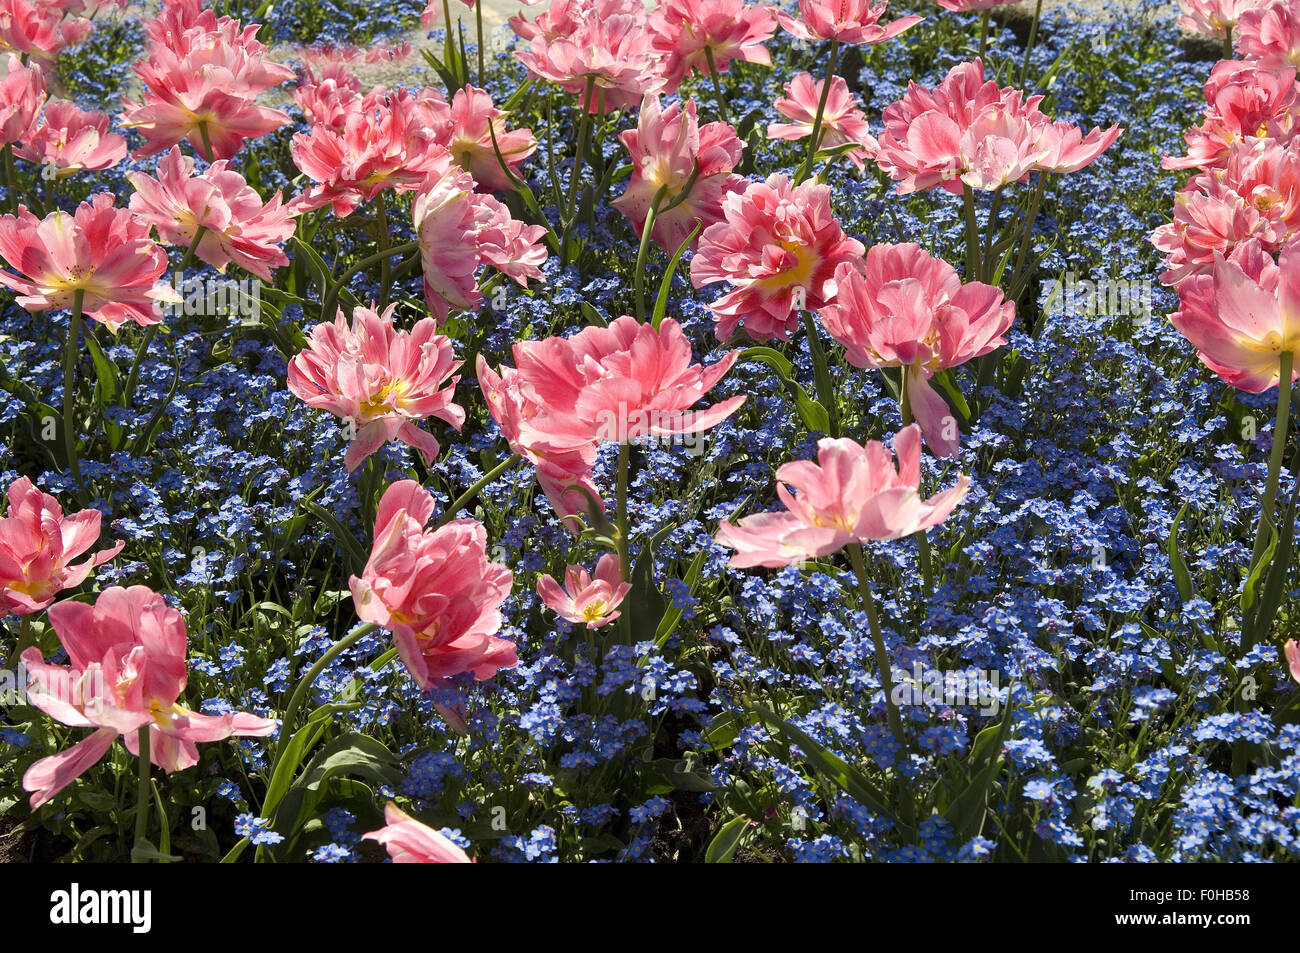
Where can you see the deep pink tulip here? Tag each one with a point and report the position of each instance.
(852, 494)
(687, 32)
(100, 250)
(126, 671)
(1243, 101)
(469, 139)
(778, 245)
(40, 30)
(69, 139)
(843, 120)
(237, 225)
(37, 546)
(584, 598)
(410, 842)
(665, 147)
(909, 309)
(856, 22)
(460, 230)
(1269, 34)
(437, 592)
(1244, 314)
(621, 382)
(384, 381)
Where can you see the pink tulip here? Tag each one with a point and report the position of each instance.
(384, 381)
(564, 461)
(683, 30)
(843, 121)
(911, 310)
(968, 6)
(435, 591)
(388, 141)
(432, 13)
(469, 139)
(1292, 651)
(237, 226)
(126, 672)
(583, 599)
(852, 494)
(849, 21)
(39, 31)
(1244, 314)
(37, 546)
(1269, 34)
(562, 17)
(201, 76)
(611, 53)
(1255, 197)
(331, 98)
(459, 230)
(100, 250)
(22, 91)
(1244, 100)
(410, 842)
(778, 245)
(970, 133)
(69, 139)
(1215, 18)
(620, 383)
(665, 148)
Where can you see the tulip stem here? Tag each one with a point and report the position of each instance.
(805, 170)
(144, 797)
(478, 18)
(192, 251)
(643, 250)
(1228, 51)
(584, 131)
(922, 540)
(717, 85)
(332, 293)
(1264, 530)
(463, 500)
(882, 654)
(1027, 238)
(987, 256)
(304, 685)
(984, 32)
(381, 236)
(822, 374)
(1029, 45)
(207, 141)
(26, 639)
(624, 560)
(70, 355)
(972, 234)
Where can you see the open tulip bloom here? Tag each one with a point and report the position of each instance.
(852, 494)
(410, 842)
(126, 671)
(584, 598)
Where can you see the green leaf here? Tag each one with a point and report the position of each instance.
(1182, 578)
(956, 398)
(852, 781)
(356, 555)
(668, 774)
(813, 414)
(673, 617)
(723, 846)
(665, 284)
(1258, 570)
(966, 812)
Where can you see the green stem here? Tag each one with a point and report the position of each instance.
(304, 685)
(478, 18)
(207, 142)
(822, 374)
(1029, 46)
(584, 130)
(461, 501)
(924, 562)
(1027, 239)
(984, 32)
(643, 250)
(986, 258)
(26, 639)
(1265, 527)
(331, 295)
(449, 48)
(70, 354)
(193, 250)
(1228, 51)
(882, 654)
(624, 561)
(144, 798)
(717, 85)
(972, 234)
(805, 170)
(381, 236)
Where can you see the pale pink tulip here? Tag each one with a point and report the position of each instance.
(22, 91)
(410, 842)
(1244, 100)
(666, 147)
(100, 250)
(1244, 314)
(852, 494)
(1215, 18)
(856, 22)
(69, 139)
(126, 671)
(37, 546)
(384, 381)
(909, 309)
(237, 225)
(1269, 34)
(593, 601)
(843, 120)
(687, 32)
(39, 31)
(469, 139)
(778, 245)
(436, 592)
